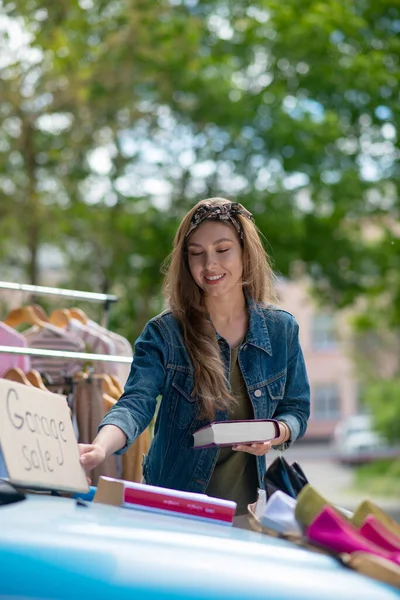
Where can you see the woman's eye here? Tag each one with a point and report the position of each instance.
(223, 250)
(195, 253)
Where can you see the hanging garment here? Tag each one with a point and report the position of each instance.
(122, 348)
(132, 459)
(95, 343)
(50, 337)
(11, 337)
(90, 408)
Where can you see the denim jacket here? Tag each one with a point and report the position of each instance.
(272, 365)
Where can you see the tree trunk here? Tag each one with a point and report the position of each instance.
(33, 214)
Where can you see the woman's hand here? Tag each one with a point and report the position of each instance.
(91, 456)
(261, 448)
(258, 449)
(109, 439)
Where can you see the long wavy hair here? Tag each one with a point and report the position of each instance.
(186, 300)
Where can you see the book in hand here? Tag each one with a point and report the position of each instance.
(230, 433)
(129, 494)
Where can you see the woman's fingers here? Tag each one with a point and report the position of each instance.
(258, 449)
(83, 448)
(90, 456)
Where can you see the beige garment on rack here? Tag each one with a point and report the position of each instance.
(89, 407)
(132, 459)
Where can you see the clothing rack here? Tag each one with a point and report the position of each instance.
(106, 299)
(64, 354)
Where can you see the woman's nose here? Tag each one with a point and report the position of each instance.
(210, 260)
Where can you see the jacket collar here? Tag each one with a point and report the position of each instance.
(257, 333)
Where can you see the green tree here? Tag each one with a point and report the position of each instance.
(290, 107)
(376, 353)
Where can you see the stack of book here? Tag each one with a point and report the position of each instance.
(128, 494)
(231, 433)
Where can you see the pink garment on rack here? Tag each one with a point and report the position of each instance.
(11, 337)
(50, 337)
(96, 343)
(122, 347)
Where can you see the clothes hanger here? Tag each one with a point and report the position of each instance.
(17, 374)
(108, 401)
(117, 383)
(107, 385)
(79, 315)
(60, 317)
(35, 378)
(22, 315)
(41, 313)
(80, 376)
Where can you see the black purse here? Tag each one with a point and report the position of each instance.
(290, 479)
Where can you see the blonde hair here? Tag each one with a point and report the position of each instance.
(186, 301)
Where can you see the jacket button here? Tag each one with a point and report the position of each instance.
(257, 393)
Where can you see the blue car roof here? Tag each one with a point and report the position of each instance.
(53, 547)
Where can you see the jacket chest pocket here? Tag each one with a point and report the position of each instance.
(184, 407)
(269, 392)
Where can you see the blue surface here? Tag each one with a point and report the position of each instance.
(88, 496)
(59, 548)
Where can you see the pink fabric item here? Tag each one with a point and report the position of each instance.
(378, 534)
(95, 343)
(123, 348)
(50, 337)
(334, 533)
(11, 337)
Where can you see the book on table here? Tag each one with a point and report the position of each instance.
(230, 433)
(141, 496)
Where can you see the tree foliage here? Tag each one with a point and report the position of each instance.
(120, 115)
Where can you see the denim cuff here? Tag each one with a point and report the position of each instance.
(294, 427)
(121, 417)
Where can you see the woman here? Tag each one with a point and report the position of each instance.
(221, 351)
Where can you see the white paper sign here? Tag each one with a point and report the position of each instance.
(37, 439)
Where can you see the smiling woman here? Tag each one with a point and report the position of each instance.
(221, 351)
(215, 258)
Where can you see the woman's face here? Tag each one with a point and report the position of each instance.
(215, 258)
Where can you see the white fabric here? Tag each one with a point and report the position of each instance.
(278, 514)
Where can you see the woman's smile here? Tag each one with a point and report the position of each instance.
(213, 279)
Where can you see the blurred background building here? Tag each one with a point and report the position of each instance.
(325, 340)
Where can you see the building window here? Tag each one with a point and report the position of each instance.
(323, 332)
(326, 405)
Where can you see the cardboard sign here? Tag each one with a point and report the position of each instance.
(37, 439)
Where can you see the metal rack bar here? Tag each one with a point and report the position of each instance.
(72, 294)
(107, 299)
(64, 354)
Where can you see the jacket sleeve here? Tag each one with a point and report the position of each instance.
(136, 407)
(294, 408)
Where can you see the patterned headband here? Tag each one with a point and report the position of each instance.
(223, 212)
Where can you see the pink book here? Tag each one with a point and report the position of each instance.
(157, 499)
(331, 531)
(377, 533)
(230, 433)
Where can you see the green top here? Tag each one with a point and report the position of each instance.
(235, 474)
